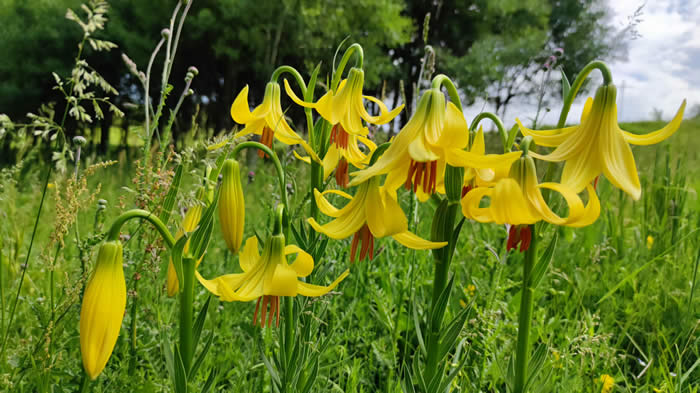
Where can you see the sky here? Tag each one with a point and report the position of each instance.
(662, 66)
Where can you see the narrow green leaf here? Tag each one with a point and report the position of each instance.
(419, 335)
(439, 311)
(311, 378)
(535, 365)
(450, 334)
(210, 381)
(545, 260)
(198, 362)
(199, 322)
(407, 381)
(511, 137)
(271, 370)
(176, 256)
(202, 235)
(565, 85)
(170, 198)
(453, 374)
(180, 373)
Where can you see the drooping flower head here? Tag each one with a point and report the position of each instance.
(517, 200)
(103, 308)
(268, 276)
(598, 145)
(231, 205)
(345, 110)
(267, 119)
(372, 213)
(479, 177)
(434, 137)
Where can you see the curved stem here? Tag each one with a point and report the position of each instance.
(499, 124)
(290, 70)
(113, 233)
(443, 80)
(522, 355)
(280, 173)
(359, 58)
(147, 96)
(578, 82)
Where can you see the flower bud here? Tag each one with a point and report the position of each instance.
(454, 177)
(231, 205)
(193, 70)
(79, 140)
(165, 33)
(103, 308)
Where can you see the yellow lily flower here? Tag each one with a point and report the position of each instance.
(103, 308)
(268, 276)
(231, 205)
(598, 145)
(607, 383)
(267, 119)
(517, 200)
(189, 224)
(435, 136)
(372, 213)
(479, 177)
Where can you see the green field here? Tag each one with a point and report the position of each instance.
(613, 302)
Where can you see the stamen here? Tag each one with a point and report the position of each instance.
(341, 173)
(265, 318)
(364, 236)
(339, 136)
(422, 174)
(266, 139)
(519, 234)
(466, 190)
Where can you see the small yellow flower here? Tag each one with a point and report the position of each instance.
(650, 242)
(189, 224)
(373, 212)
(103, 308)
(598, 145)
(517, 200)
(231, 205)
(608, 382)
(268, 276)
(267, 119)
(470, 290)
(434, 137)
(51, 186)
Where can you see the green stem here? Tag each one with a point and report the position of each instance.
(442, 80)
(497, 122)
(522, 355)
(280, 175)
(578, 82)
(290, 70)
(355, 49)
(113, 233)
(187, 312)
(132, 330)
(440, 279)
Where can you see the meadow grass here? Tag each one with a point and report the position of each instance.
(619, 298)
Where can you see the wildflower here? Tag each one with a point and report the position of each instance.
(268, 276)
(189, 224)
(476, 177)
(517, 200)
(598, 145)
(231, 205)
(650, 242)
(432, 138)
(345, 108)
(607, 382)
(103, 308)
(266, 120)
(372, 213)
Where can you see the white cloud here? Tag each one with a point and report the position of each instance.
(661, 69)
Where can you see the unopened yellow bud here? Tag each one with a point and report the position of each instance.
(650, 242)
(103, 308)
(232, 205)
(189, 224)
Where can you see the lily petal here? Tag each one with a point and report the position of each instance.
(659, 135)
(411, 240)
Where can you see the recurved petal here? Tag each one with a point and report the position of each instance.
(574, 203)
(590, 213)
(658, 135)
(305, 159)
(465, 159)
(295, 98)
(303, 265)
(384, 116)
(318, 290)
(549, 138)
(413, 241)
(224, 286)
(240, 110)
(471, 205)
(326, 207)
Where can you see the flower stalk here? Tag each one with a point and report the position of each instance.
(522, 354)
